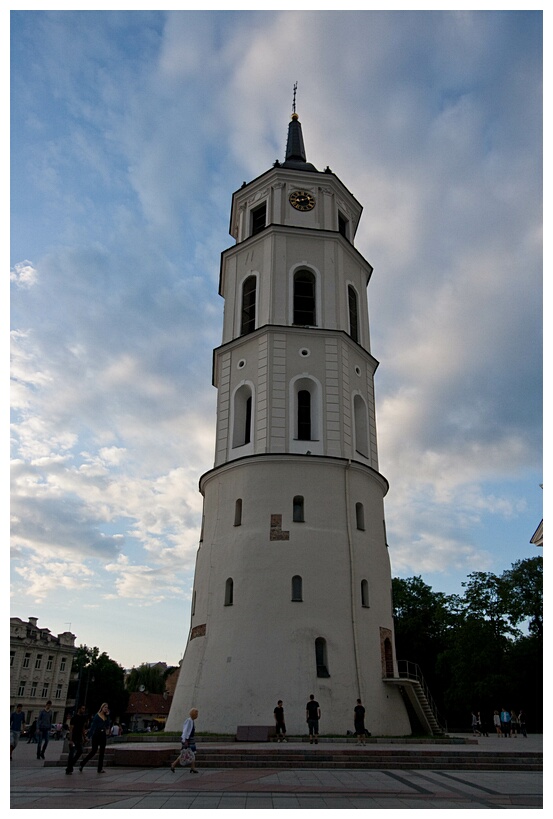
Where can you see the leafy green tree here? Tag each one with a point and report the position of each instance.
(148, 676)
(101, 679)
(524, 591)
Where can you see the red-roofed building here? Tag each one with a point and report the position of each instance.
(147, 711)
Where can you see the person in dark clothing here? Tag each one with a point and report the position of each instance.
(97, 733)
(279, 720)
(359, 723)
(313, 714)
(32, 733)
(43, 729)
(76, 738)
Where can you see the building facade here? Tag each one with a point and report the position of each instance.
(40, 668)
(292, 588)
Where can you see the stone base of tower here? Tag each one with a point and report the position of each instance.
(292, 597)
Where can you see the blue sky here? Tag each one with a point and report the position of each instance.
(129, 133)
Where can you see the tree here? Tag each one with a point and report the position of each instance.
(149, 676)
(101, 679)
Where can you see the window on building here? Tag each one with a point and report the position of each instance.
(21, 689)
(44, 690)
(229, 592)
(297, 584)
(193, 603)
(304, 415)
(242, 432)
(360, 516)
(343, 225)
(361, 426)
(259, 218)
(321, 657)
(298, 509)
(353, 313)
(62, 663)
(238, 512)
(364, 594)
(49, 663)
(304, 298)
(249, 292)
(12, 658)
(38, 661)
(26, 660)
(59, 689)
(33, 689)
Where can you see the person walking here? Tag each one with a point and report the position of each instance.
(313, 715)
(98, 733)
(522, 723)
(497, 723)
(482, 725)
(279, 720)
(76, 737)
(475, 730)
(17, 723)
(359, 722)
(43, 726)
(187, 740)
(514, 724)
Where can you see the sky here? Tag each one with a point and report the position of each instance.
(129, 133)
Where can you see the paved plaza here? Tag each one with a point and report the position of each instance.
(35, 786)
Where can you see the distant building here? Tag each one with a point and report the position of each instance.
(537, 537)
(40, 668)
(147, 711)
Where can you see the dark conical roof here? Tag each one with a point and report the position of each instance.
(295, 150)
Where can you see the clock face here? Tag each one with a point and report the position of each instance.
(302, 200)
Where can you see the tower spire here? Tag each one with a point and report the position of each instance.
(295, 149)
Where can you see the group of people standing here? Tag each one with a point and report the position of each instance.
(506, 723)
(313, 715)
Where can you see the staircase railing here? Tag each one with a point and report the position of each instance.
(408, 670)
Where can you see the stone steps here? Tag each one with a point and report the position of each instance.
(363, 758)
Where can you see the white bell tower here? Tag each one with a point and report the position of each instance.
(292, 588)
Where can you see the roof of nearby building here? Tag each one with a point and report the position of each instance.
(537, 537)
(142, 703)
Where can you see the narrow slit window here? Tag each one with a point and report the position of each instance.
(238, 512)
(298, 510)
(229, 592)
(297, 589)
(249, 293)
(365, 594)
(304, 415)
(353, 313)
(321, 658)
(360, 516)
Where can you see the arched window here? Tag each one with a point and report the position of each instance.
(297, 584)
(229, 592)
(238, 512)
(361, 426)
(364, 594)
(360, 516)
(249, 290)
(304, 298)
(242, 430)
(297, 510)
(353, 313)
(321, 657)
(304, 415)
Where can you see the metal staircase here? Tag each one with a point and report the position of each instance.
(418, 698)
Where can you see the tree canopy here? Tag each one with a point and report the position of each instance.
(480, 650)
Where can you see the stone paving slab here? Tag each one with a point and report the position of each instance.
(33, 785)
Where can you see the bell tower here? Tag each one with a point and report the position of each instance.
(292, 586)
